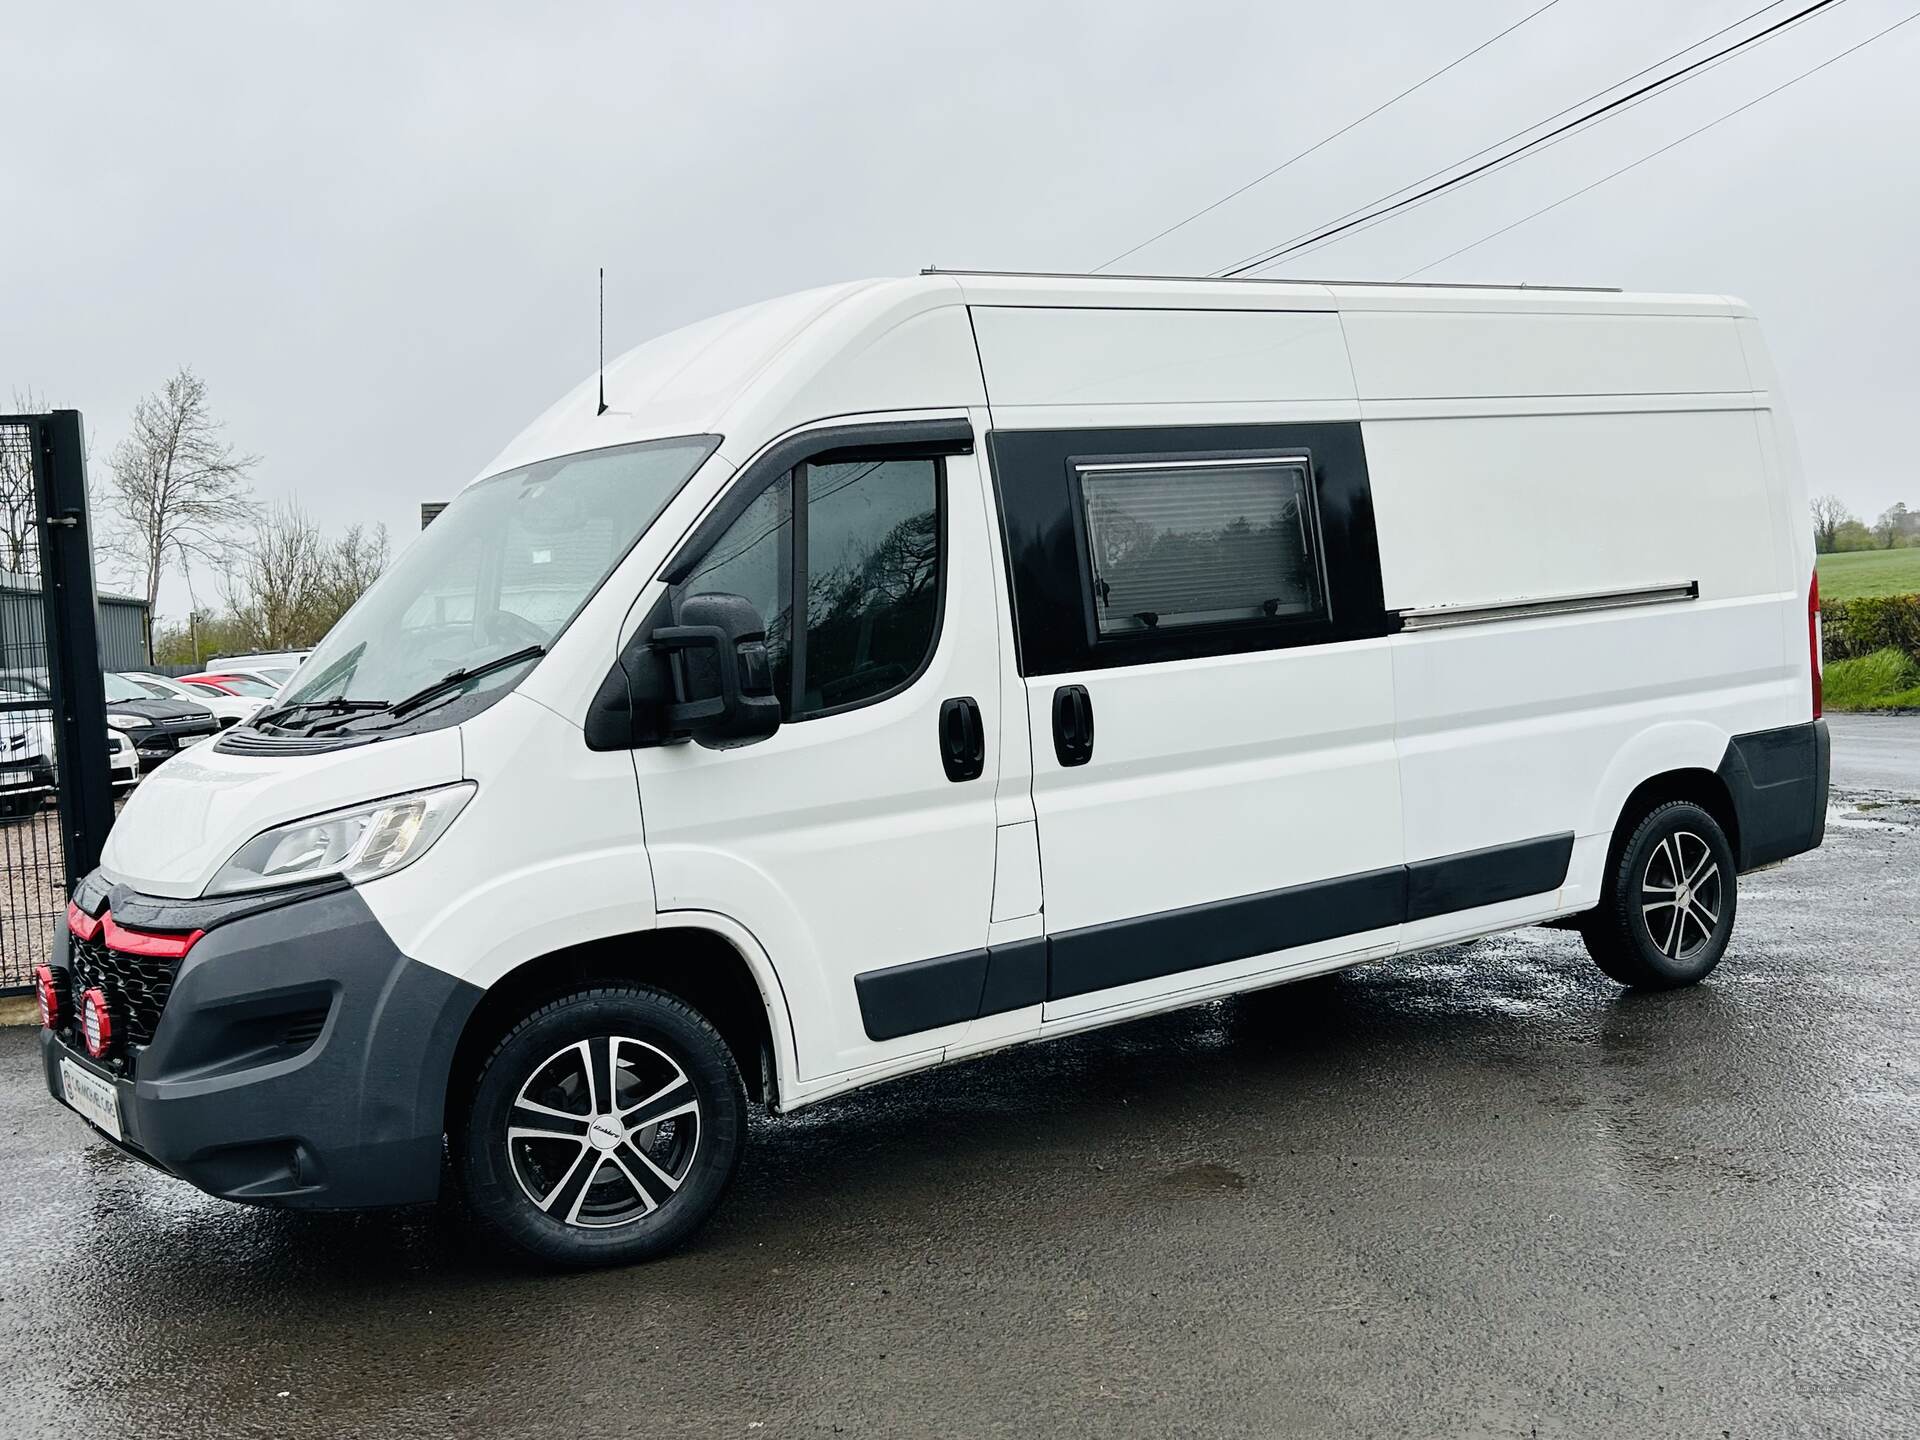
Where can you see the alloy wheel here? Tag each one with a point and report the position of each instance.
(1681, 894)
(604, 1132)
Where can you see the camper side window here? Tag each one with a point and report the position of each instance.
(1203, 542)
(851, 593)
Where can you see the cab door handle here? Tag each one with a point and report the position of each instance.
(963, 739)
(1072, 725)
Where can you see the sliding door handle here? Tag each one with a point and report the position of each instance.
(1072, 725)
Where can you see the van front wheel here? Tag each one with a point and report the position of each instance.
(1667, 908)
(605, 1128)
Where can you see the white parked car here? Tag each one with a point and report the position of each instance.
(229, 710)
(288, 660)
(26, 743)
(123, 760)
(909, 669)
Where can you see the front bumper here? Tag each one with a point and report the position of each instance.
(28, 777)
(298, 1059)
(156, 745)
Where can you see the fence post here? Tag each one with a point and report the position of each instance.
(73, 642)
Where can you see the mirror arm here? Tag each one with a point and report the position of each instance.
(676, 642)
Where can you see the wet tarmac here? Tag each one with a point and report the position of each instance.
(1475, 1192)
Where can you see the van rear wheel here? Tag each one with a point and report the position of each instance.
(605, 1128)
(1667, 908)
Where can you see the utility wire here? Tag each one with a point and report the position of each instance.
(1326, 140)
(1664, 148)
(1372, 209)
(1660, 83)
(1515, 157)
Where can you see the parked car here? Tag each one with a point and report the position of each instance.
(26, 744)
(288, 660)
(123, 761)
(29, 766)
(159, 729)
(227, 708)
(1254, 630)
(244, 684)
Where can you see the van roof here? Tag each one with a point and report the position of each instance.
(1149, 280)
(827, 351)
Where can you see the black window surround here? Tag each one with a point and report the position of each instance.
(792, 456)
(1049, 564)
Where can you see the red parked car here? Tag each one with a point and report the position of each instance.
(252, 684)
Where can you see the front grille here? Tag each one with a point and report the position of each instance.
(136, 986)
(303, 1029)
(188, 724)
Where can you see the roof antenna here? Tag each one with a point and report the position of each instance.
(603, 342)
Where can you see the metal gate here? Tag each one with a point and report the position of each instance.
(55, 792)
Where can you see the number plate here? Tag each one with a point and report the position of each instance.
(93, 1097)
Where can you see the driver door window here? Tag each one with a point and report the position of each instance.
(866, 554)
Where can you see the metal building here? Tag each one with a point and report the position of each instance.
(126, 632)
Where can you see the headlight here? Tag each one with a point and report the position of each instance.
(359, 844)
(126, 722)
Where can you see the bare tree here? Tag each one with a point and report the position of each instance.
(177, 487)
(1829, 514)
(1892, 526)
(17, 504)
(278, 578)
(289, 583)
(353, 562)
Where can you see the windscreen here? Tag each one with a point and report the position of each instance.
(247, 686)
(502, 570)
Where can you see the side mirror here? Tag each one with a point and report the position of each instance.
(722, 678)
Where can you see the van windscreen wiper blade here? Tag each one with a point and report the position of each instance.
(328, 707)
(455, 678)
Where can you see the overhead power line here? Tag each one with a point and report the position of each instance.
(1614, 175)
(1380, 217)
(1325, 140)
(1375, 211)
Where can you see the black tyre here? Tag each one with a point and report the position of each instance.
(1669, 901)
(605, 1128)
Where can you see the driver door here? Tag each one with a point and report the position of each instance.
(848, 842)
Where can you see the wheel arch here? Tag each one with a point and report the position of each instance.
(706, 960)
(1700, 787)
(1672, 760)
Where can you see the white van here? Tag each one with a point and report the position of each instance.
(907, 669)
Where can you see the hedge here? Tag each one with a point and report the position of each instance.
(1852, 629)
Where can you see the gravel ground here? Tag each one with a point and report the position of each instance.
(33, 891)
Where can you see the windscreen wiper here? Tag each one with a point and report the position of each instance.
(452, 680)
(328, 707)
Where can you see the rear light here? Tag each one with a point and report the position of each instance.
(47, 990)
(81, 923)
(95, 1023)
(1813, 637)
(144, 942)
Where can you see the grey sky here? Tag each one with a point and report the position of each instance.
(373, 229)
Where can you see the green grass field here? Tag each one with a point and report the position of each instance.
(1884, 680)
(1869, 572)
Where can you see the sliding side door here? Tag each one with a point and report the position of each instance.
(1204, 652)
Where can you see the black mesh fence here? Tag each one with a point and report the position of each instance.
(33, 875)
